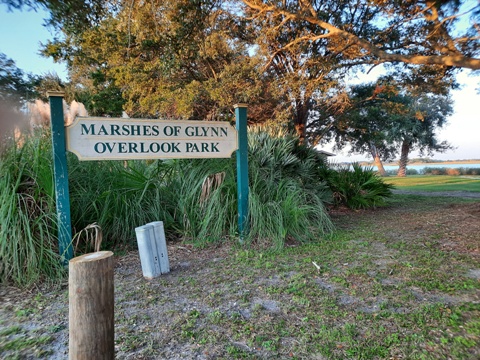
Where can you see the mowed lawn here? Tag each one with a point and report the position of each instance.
(436, 183)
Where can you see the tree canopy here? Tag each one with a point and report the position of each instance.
(431, 32)
(69, 15)
(173, 59)
(15, 85)
(309, 46)
(287, 59)
(386, 120)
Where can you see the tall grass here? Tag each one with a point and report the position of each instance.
(28, 242)
(200, 217)
(287, 193)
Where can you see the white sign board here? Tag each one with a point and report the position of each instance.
(94, 138)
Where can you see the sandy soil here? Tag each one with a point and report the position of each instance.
(152, 317)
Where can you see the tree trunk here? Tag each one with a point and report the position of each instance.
(301, 114)
(402, 166)
(300, 130)
(91, 307)
(377, 161)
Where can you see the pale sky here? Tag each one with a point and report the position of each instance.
(22, 33)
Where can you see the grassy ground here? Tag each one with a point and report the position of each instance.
(436, 183)
(470, 161)
(400, 282)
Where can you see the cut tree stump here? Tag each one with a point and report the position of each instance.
(91, 307)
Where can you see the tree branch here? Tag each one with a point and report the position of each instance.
(457, 59)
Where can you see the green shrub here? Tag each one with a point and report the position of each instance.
(203, 211)
(288, 195)
(471, 171)
(286, 199)
(357, 187)
(409, 172)
(434, 171)
(119, 196)
(196, 199)
(451, 171)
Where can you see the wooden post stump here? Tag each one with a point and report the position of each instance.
(91, 307)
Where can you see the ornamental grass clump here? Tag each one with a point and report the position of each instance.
(287, 197)
(287, 194)
(205, 201)
(28, 241)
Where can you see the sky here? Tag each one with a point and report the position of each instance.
(23, 32)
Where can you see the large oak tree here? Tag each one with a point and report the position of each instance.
(385, 120)
(194, 58)
(429, 32)
(309, 46)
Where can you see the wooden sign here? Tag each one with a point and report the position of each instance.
(94, 138)
(109, 138)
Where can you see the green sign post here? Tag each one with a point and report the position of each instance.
(60, 169)
(242, 169)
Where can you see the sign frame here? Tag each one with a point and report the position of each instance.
(98, 138)
(62, 196)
